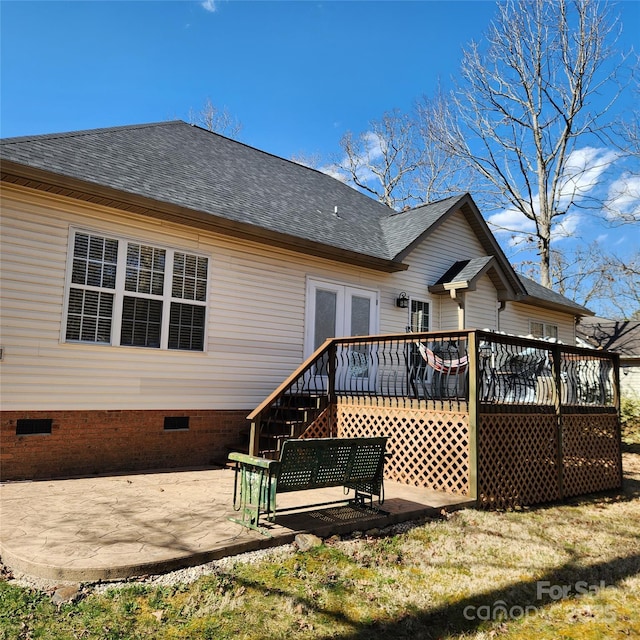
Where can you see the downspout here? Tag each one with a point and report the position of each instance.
(501, 307)
(459, 297)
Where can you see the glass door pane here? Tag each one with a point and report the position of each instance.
(360, 316)
(326, 305)
(335, 310)
(325, 322)
(360, 324)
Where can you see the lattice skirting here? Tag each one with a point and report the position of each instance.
(324, 426)
(517, 454)
(517, 460)
(591, 448)
(428, 448)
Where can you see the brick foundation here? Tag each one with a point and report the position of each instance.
(90, 442)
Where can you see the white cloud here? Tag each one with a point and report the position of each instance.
(371, 152)
(209, 5)
(583, 171)
(373, 146)
(512, 221)
(623, 201)
(333, 171)
(567, 226)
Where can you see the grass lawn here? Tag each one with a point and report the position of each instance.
(560, 571)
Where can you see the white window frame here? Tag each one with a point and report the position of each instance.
(120, 293)
(545, 329)
(429, 306)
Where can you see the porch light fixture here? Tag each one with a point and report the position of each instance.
(403, 300)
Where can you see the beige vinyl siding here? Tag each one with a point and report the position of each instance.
(255, 311)
(255, 317)
(448, 314)
(482, 306)
(630, 381)
(516, 317)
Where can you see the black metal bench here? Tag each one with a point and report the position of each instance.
(314, 463)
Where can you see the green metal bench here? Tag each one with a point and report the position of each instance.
(314, 463)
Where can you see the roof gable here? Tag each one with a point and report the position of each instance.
(464, 275)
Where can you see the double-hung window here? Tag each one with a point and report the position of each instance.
(128, 293)
(543, 329)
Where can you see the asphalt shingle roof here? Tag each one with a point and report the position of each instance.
(547, 296)
(622, 336)
(464, 270)
(180, 164)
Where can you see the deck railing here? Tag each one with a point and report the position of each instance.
(438, 369)
(524, 372)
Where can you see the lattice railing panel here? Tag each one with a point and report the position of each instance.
(591, 451)
(427, 448)
(517, 462)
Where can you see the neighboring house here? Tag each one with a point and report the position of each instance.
(159, 281)
(620, 336)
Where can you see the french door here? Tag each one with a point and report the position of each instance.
(336, 310)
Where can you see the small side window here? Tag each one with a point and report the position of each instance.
(542, 329)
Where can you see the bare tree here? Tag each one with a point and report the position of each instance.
(596, 278)
(623, 278)
(395, 161)
(630, 126)
(524, 105)
(215, 119)
(311, 160)
(381, 160)
(623, 201)
(440, 174)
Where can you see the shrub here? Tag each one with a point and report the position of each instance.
(630, 418)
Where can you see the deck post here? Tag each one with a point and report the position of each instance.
(616, 404)
(254, 436)
(557, 378)
(472, 406)
(332, 366)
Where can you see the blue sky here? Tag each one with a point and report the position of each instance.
(296, 74)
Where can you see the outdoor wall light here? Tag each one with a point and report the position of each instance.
(403, 300)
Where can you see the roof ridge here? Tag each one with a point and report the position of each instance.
(426, 204)
(85, 132)
(297, 164)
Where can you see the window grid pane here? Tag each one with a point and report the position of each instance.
(141, 322)
(537, 329)
(189, 277)
(186, 327)
(94, 261)
(89, 316)
(145, 269)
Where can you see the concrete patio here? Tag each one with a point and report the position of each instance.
(114, 527)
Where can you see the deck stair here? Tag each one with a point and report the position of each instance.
(286, 420)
